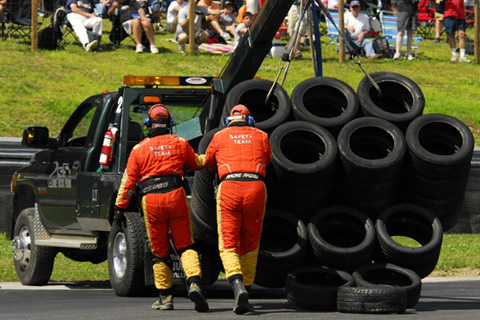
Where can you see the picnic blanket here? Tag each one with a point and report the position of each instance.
(215, 47)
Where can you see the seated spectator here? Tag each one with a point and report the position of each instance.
(357, 27)
(172, 13)
(80, 14)
(227, 20)
(134, 21)
(213, 20)
(201, 35)
(242, 28)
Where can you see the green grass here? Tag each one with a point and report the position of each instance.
(43, 87)
(460, 252)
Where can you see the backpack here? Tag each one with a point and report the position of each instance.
(48, 38)
(381, 45)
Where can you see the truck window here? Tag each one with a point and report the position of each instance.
(80, 131)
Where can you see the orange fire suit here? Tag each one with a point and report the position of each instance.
(241, 154)
(167, 209)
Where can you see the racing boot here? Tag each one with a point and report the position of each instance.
(241, 305)
(198, 298)
(165, 302)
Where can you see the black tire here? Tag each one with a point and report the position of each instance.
(389, 274)
(371, 148)
(378, 300)
(417, 223)
(33, 264)
(401, 100)
(302, 151)
(126, 245)
(328, 102)
(342, 237)
(440, 146)
(315, 288)
(253, 93)
(283, 247)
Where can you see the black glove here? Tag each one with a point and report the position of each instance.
(118, 214)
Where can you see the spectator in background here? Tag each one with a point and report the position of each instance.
(172, 13)
(213, 23)
(134, 21)
(156, 7)
(454, 20)
(407, 20)
(80, 14)
(201, 35)
(357, 27)
(242, 28)
(333, 4)
(228, 20)
(294, 15)
(439, 10)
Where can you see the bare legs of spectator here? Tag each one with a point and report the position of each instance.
(438, 30)
(137, 26)
(461, 44)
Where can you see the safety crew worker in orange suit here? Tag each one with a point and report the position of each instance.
(241, 154)
(158, 162)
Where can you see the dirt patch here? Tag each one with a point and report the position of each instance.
(460, 272)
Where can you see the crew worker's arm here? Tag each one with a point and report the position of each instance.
(193, 161)
(129, 182)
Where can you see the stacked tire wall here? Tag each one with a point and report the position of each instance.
(356, 169)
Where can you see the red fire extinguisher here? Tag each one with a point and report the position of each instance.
(107, 148)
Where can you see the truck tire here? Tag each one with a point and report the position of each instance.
(33, 264)
(328, 102)
(126, 256)
(401, 100)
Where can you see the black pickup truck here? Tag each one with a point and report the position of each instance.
(62, 201)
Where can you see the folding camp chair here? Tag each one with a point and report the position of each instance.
(18, 20)
(390, 31)
(331, 30)
(426, 20)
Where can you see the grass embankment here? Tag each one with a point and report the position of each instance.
(44, 87)
(459, 257)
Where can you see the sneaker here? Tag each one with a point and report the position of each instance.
(436, 40)
(396, 56)
(226, 36)
(153, 49)
(297, 56)
(454, 59)
(163, 303)
(409, 57)
(92, 45)
(198, 298)
(140, 48)
(181, 48)
(464, 59)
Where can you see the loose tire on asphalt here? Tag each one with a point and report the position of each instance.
(315, 288)
(388, 274)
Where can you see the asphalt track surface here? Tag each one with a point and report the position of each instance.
(441, 298)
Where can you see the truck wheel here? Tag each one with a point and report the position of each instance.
(126, 256)
(33, 264)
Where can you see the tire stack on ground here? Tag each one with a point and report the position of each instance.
(356, 170)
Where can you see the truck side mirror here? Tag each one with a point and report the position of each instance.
(35, 137)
